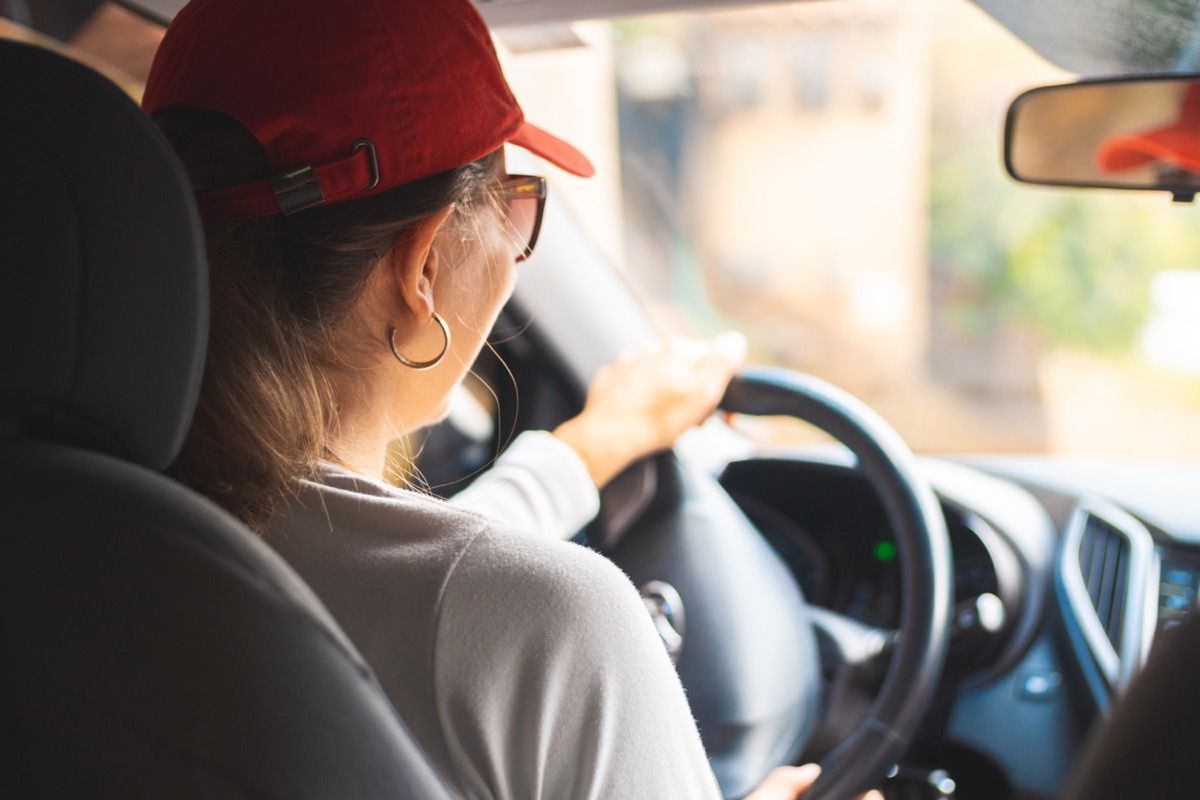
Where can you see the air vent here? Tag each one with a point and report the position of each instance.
(1104, 566)
(1108, 576)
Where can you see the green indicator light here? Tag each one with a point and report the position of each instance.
(885, 552)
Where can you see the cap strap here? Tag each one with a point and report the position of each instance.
(296, 189)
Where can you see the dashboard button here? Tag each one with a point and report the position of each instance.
(1177, 601)
(1179, 577)
(1040, 686)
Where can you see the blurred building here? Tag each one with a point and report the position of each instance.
(779, 174)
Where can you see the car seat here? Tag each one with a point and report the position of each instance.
(1147, 747)
(152, 646)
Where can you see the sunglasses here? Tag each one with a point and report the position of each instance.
(524, 199)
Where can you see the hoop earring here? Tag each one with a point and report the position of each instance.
(423, 365)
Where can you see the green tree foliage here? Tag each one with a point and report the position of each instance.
(1074, 265)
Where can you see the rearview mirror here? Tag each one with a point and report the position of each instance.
(1116, 133)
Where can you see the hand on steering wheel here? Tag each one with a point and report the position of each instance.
(640, 404)
(789, 783)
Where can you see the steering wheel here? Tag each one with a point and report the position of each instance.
(745, 640)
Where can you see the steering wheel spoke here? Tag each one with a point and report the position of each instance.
(844, 641)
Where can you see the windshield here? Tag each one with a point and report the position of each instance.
(1107, 36)
(826, 177)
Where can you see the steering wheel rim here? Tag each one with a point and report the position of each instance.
(757, 704)
(924, 557)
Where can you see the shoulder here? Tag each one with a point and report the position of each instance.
(543, 609)
(339, 506)
(552, 682)
(536, 587)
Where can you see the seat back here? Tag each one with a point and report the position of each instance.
(1146, 747)
(153, 647)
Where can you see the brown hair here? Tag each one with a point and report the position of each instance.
(279, 286)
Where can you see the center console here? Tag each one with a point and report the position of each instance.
(1179, 582)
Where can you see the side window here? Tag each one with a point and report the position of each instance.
(110, 39)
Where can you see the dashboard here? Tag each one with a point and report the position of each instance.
(832, 531)
(1129, 561)
(1087, 572)
(828, 525)
(1179, 583)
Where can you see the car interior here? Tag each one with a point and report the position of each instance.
(936, 625)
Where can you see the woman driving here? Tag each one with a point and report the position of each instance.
(363, 235)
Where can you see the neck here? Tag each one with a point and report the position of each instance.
(364, 429)
(360, 457)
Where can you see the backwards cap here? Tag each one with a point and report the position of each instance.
(348, 99)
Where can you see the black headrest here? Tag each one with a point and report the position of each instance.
(103, 283)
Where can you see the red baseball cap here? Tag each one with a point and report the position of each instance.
(1177, 143)
(349, 99)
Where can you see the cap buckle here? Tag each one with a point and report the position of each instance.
(297, 190)
(373, 159)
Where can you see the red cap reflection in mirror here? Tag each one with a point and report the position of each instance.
(348, 98)
(1177, 144)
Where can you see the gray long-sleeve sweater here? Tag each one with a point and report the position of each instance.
(525, 666)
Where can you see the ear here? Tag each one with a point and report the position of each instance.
(411, 267)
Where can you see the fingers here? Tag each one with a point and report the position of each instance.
(726, 356)
(796, 779)
(653, 394)
(681, 365)
(732, 345)
(790, 783)
(786, 783)
(729, 346)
